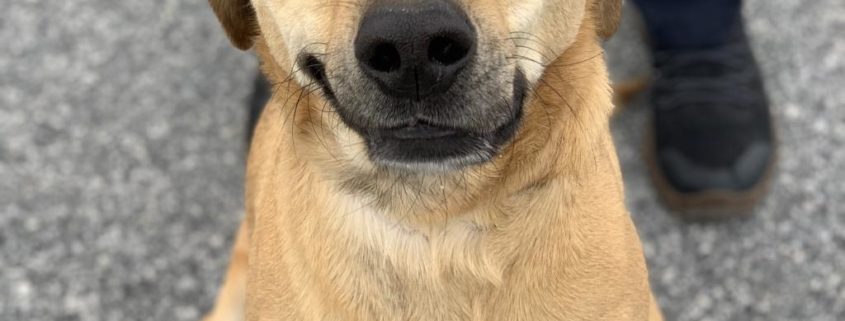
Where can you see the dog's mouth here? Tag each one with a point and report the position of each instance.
(428, 147)
(420, 142)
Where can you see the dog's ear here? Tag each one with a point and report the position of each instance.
(608, 13)
(238, 19)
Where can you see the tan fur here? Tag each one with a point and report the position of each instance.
(540, 233)
(608, 15)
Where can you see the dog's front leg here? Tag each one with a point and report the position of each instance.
(232, 296)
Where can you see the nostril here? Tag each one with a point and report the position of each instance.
(385, 58)
(447, 50)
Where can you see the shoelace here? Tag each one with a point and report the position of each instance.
(720, 77)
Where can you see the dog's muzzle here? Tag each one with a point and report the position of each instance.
(422, 59)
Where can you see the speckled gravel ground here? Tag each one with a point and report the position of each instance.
(121, 135)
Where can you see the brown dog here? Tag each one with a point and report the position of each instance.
(433, 160)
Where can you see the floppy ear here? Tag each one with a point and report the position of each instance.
(238, 19)
(607, 15)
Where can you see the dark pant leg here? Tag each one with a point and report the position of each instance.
(686, 24)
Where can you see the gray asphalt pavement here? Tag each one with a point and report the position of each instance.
(121, 141)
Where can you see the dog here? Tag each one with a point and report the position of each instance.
(428, 160)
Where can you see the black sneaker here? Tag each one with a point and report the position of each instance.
(712, 148)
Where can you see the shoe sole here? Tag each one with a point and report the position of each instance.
(708, 205)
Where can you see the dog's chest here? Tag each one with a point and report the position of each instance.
(441, 273)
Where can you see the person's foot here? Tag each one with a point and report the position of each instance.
(712, 147)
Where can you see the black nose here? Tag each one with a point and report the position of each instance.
(414, 49)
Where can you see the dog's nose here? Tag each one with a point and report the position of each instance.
(414, 49)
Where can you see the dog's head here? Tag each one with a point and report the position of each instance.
(412, 85)
(425, 83)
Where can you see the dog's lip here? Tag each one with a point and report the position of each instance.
(438, 149)
(420, 130)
